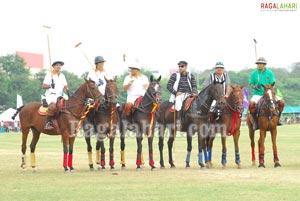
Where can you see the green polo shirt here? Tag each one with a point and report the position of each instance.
(258, 77)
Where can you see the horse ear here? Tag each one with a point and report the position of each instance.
(273, 84)
(151, 78)
(159, 78)
(106, 79)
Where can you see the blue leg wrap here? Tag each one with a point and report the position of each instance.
(188, 157)
(200, 158)
(223, 158)
(237, 157)
(209, 153)
(205, 155)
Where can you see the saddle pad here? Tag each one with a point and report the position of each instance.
(138, 101)
(189, 102)
(42, 110)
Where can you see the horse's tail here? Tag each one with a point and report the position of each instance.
(17, 112)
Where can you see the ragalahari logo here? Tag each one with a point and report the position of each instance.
(283, 6)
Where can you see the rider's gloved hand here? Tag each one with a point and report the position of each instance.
(100, 82)
(52, 85)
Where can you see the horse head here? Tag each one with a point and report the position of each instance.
(111, 91)
(236, 98)
(217, 93)
(154, 90)
(269, 96)
(92, 90)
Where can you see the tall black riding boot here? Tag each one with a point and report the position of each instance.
(279, 122)
(255, 121)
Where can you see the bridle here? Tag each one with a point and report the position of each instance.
(238, 103)
(83, 101)
(154, 97)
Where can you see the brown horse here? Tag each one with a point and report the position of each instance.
(67, 119)
(103, 122)
(143, 120)
(268, 117)
(228, 124)
(194, 119)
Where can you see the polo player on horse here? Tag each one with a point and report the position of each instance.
(218, 77)
(262, 75)
(181, 85)
(55, 84)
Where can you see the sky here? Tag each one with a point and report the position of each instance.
(156, 34)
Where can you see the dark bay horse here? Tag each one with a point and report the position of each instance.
(144, 120)
(103, 123)
(268, 117)
(195, 119)
(228, 124)
(67, 119)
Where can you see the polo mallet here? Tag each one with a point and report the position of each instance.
(49, 53)
(84, 54)
(255, 42)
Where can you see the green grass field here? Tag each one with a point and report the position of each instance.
(50, 183)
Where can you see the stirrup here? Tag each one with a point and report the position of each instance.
(48, 126)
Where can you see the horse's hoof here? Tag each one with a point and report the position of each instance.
(66, 170)
(91, 169)
(277, 164)
(123, 167)
(98, 167)
(112, 168)
(187, 166)
(173, 166)
(138, 168)
(102, 168)
(162, 167)
(23, 166)
(153, 168)
(72, 170)
(201, 165)
(253, 163)
(261, 165)
(239, 166)
(34, 169)
(224, 167)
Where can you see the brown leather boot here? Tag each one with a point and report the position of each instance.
(128, 107)
(51, 113)
(280, 104)
(252, 110)
(127, 111)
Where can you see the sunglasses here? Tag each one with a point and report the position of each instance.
(181, 66)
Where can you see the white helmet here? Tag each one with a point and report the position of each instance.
(134, 65)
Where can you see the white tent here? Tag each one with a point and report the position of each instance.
(7, 114)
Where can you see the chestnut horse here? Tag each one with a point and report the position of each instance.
(67, 118)
(143, 121)
(268, 117)
(194, 119)
(228, 124)
(103, 122)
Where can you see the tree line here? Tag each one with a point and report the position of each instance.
(15, 79)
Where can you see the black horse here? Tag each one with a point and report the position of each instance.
(103, 122)
(193, 119)
(143, 121)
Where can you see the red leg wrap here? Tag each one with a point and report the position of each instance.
(102, 160)
(65, 163)
(70, 160)
(111, 161)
